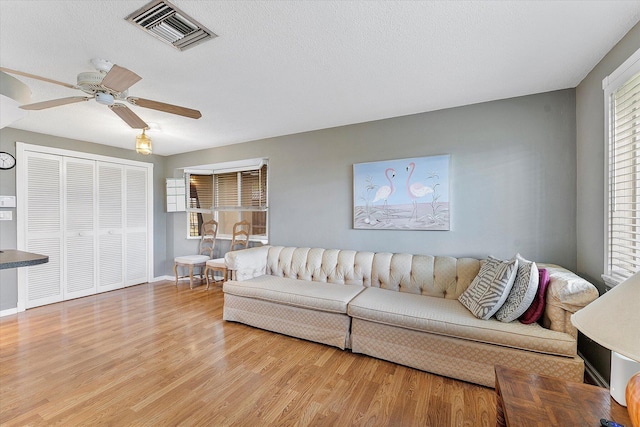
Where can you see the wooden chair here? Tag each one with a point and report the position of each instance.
(208, 234)
(239, 240)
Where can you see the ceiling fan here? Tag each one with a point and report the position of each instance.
(107, 85)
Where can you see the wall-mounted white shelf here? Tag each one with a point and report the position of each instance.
(176, 195)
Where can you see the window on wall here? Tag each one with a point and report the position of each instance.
(230, 196)
(199, 202)
(622, 109)
(241, 196)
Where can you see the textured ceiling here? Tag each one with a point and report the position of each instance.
(282, 67)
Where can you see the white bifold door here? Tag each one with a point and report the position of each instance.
(110, 227)
(79, 207)
(91, 218)
(135, 226)
(44, 227)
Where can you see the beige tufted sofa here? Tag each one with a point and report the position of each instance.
(402, 308)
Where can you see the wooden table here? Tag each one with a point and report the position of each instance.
(527, 399)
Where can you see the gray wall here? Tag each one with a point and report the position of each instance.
(590, 177)
(8, 138)
(512, 180)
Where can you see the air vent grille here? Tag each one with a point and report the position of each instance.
(166, 22)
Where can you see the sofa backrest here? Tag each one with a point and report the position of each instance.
(321, 265)
(438, 276)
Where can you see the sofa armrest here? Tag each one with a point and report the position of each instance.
(247, 263)
(566, 294)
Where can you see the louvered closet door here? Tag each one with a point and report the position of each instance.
(80, 223)
(110, 227)
(136, 255)
(43, 235)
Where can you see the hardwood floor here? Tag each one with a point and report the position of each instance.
(158, 355)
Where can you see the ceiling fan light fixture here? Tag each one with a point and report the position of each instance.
(104, 98)
(143, 144)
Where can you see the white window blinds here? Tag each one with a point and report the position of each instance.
(244, 190)
(200, 191)
(623, 251)
(199, 202)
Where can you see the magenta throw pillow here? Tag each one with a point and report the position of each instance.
(535, 310)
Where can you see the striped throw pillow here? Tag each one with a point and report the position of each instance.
(522, 293)
(490, 288)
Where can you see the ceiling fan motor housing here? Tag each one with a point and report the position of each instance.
(90, 81)
(102, 65)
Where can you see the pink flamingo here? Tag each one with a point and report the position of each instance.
(386, 191)
(416, 190)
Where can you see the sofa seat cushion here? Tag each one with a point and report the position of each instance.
(321, 296)
(449, 317)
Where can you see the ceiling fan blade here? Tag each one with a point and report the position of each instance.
(167, 108)
(33, 76)
(120, 79)
(128, 116)
(55, 103)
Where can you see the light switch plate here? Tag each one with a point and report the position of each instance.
(6, 215)
(7, 201)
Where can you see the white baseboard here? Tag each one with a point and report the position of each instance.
(169, 278)
(162, 278)
(593, 373)
(8, 312)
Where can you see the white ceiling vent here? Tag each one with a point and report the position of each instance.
(166, 22)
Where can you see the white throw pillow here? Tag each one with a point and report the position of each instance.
(522, 293)
(490, 288)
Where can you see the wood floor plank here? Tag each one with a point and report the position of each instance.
(157, 354)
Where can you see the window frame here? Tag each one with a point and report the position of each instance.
(610, 85)
(219, 169)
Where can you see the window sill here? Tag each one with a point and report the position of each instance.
(610, 281)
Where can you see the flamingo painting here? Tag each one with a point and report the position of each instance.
(380, 203)
(416, 190)
(385, 191)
